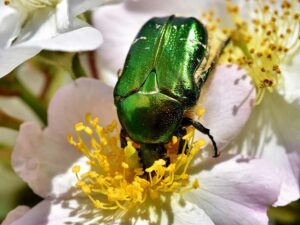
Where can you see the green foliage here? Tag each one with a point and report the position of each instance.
(288, 215)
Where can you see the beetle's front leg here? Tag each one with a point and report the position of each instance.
(123, 140)
(181, 133)
(188, 121)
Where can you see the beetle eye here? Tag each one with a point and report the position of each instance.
(150, 118)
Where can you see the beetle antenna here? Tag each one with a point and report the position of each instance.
(188, 121)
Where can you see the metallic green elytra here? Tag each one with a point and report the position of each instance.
(161, 80)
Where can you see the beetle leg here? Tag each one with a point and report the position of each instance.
(123, 140)
(188, 121)
(181, 133)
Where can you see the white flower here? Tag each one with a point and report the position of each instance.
(273, 131)
(233, 189)
(27, 27)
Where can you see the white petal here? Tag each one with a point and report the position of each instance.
(12, 57)
(63, 16)
(272, 132)
(291, 81)
(44, 31)
(41, 26)
(41, 32)
(120, 23)
(189, 213)
(173, 210)
(67, 10)
(237, 191)
(15, 214)
(228, 100)
(10, 21)
(81, 39)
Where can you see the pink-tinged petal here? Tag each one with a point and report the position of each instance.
(72, 102)
(56, 212)
(77, 6)
(276, 152)
(272, 133)
(120, 23)
(290, 190)
(15, 214)
(294, 159)
(44, 158)
(40, 159)
(228, 101)
(81, 211)
(237, 191)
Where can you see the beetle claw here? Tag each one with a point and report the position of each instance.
(216, 155)
(202, 129)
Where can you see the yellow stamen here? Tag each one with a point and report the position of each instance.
(174, 140)
(264, 42)
(76, 169)
(116, 179)
(200, 112)
(196, 184)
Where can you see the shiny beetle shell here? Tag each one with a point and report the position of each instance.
(159, 81)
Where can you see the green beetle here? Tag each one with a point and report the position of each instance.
(165, 69)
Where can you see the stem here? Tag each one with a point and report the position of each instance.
(8, 92)
(47, 84)
(93, 64)
(77, 70)
(11, 86)
(38, 107)
(9, 121)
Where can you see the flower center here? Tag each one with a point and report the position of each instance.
(31, 5)
(264, 41)
(116, 179)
